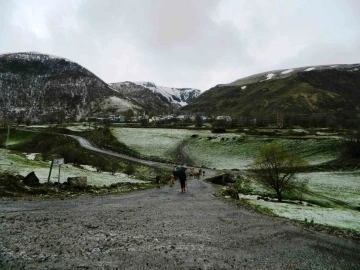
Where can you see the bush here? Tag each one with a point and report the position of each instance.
(10, 183)
(243, 185)
(218, 130)
(130, 169)
(350, 146)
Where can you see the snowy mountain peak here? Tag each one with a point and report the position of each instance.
(178, 96)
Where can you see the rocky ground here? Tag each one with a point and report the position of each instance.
(161, 229)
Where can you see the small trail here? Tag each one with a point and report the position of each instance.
(181, 156)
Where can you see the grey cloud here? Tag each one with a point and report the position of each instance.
(178, 23)
(184, 42)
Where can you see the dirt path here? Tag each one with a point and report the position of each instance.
(88, 145)
(161, 229)
(180, 154)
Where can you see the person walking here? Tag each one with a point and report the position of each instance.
(182, 177)
(180, 172)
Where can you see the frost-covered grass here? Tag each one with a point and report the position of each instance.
(344, 185)
(222, 151)
(341, 186)
(38, 126)
(153, 142)
(340, 218)
(74, 126)
(21, 165)
(238, 152)
(80, 127)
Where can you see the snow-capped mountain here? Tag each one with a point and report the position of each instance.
(181, 96)
(156, 98)
(326, 90)
(38, 86)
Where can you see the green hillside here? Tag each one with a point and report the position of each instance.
(335, 91)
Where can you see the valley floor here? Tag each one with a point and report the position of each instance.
(161, 229)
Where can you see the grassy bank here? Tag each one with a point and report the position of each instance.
(221, 151)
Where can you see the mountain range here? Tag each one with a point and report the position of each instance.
(41, 87)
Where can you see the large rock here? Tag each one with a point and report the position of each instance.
(31, 180)
(78, 181)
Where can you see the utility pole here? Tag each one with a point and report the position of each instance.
(7, 139)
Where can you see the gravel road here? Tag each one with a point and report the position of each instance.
(88, 145)
(161, 229)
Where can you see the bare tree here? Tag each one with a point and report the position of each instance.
(276, 168)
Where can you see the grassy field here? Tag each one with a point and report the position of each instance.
(150, 142)
(334, 194)
(220, 151)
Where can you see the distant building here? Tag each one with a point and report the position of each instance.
(134, 119)
(223, 118)
(182, 117)
(120, 119)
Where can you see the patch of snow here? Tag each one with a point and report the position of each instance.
(243, 87)
(299, 130)
(31, 156)
(270, 76)
(38, 126)
(88, 168)
(308, 69)
(249, 197)
(287, 71)
(113, 101)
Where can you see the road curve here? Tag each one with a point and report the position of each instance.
(88, 145)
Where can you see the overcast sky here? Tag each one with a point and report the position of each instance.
(184, 43)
